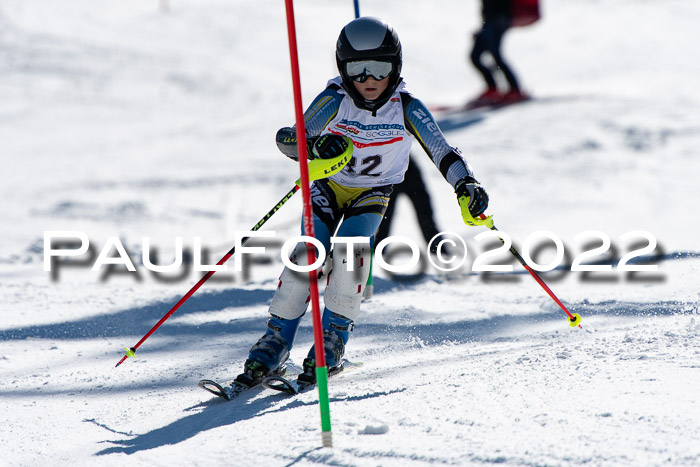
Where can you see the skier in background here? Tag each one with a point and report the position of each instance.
(497, 18)
(369, 104)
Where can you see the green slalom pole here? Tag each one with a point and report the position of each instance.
(369, 288)
(325, 403)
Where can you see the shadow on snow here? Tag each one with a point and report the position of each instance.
(138, 320)
(215, 414)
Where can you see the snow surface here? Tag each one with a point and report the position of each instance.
(121, 120)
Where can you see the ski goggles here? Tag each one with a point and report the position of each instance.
(361, 70)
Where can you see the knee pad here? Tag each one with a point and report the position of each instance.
(344, 291)
(292, 295)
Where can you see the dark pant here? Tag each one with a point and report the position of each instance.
(489, 40)
(414, 188)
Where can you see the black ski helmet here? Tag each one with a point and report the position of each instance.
(369, 38)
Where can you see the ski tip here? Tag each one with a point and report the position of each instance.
(278, 383)
(214, 388)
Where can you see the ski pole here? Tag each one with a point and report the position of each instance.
(318, 168)
(575, 318)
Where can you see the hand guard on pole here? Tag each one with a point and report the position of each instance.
(328, 146)
(473, 201)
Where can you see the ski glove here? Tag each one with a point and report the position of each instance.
(318, 147)
(328, 146)
(473, 200)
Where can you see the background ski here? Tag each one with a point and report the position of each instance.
(475, 106)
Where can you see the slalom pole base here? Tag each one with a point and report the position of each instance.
(327, 439)
(368, 293)
(575, 320)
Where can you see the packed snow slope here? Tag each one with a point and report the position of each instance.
(125, 120)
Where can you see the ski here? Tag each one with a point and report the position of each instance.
(292, 387)
(227, 390)
(231, 389)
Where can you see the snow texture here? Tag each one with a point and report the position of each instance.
(136, 118)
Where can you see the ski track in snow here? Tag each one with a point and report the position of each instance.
(127, 121)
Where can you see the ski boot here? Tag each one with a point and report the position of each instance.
(336, 332)
(268, 355)
(487, 98)
(253, 374)
(514, 96)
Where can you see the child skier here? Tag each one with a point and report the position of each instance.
(368, 104)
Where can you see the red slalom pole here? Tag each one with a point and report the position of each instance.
(575, 318)
(321, 370)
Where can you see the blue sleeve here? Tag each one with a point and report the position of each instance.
(321, 111)
(421, 123)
